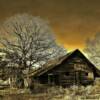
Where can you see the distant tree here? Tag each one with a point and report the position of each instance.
(32, 41)
(93, 49)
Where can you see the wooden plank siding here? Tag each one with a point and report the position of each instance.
(74, 70)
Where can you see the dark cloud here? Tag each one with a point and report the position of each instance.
(72, 20)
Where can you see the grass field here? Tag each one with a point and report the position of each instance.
(54, 93)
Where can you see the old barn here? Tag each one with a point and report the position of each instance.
(72, 69)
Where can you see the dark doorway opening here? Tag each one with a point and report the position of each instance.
(78, 78)
(53, 79)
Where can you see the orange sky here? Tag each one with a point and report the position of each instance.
(73, 21)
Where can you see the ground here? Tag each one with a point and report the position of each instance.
(54, 93)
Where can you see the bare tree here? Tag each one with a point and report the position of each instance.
(93, 49)
(32, 41)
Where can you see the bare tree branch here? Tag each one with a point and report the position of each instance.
(93, 49)
(33, 41)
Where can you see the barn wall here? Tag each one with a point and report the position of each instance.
(72, 71)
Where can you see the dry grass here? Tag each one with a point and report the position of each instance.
(56, 93)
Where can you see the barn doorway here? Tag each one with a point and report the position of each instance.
(78, 77)
(53, 79)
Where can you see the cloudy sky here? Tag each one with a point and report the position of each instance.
(73, 21)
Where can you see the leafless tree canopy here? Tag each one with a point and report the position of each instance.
(93, 49)
(32, 41)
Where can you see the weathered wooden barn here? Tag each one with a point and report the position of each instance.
(72, 69)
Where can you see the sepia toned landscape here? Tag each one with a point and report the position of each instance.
(34, 66)
(49, 50)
